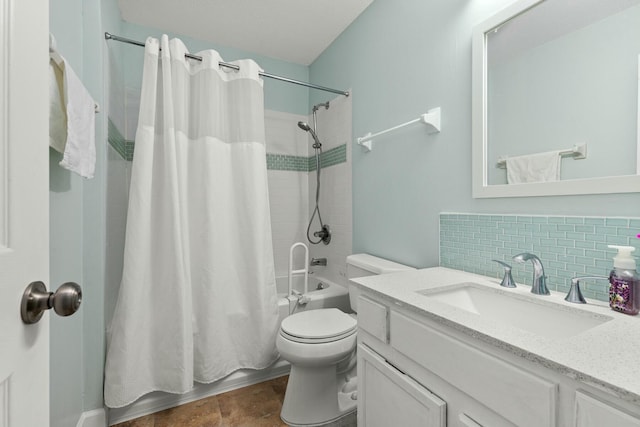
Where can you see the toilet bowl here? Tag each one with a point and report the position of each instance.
(320, 345)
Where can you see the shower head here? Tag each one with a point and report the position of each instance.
(305, 127)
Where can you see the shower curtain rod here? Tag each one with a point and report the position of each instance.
(109, 36)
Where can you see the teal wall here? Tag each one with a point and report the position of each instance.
(77, 224)
(401, 59)
(66, 210)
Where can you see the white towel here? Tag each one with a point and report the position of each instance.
(71, 117)
(540, 167)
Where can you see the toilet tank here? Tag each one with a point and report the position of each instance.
(360, 265)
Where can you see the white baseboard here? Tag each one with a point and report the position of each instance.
(158, 401)
(94, 418)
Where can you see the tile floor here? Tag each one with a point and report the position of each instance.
(254, 406)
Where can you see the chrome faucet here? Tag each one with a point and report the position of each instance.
(318, 261)
(539, 286)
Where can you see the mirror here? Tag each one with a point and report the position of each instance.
(560, 77)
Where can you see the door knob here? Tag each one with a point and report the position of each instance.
(36, 300)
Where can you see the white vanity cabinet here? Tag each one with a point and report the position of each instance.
(393, 398)
(413, 370)
(592, 412)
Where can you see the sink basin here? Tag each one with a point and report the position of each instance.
(532, 314)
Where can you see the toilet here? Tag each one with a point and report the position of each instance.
(321, 347)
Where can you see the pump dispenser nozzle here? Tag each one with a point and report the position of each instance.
(624, 259)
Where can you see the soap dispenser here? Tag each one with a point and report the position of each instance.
(624, 289)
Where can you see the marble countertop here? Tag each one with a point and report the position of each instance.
(605, 356)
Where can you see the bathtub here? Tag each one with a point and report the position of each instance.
(322, 293)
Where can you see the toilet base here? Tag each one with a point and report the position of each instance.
(317, 396)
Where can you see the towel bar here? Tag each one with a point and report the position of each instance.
(578, 152)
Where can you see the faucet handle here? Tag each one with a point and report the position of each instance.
(575, 295)
(507, 280)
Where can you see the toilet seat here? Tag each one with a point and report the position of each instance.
(318, 326)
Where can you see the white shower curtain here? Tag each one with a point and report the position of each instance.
(197, 299)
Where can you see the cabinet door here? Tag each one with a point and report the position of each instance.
(591, 412)
(388, 397)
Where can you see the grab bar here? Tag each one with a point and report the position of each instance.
(304, 271)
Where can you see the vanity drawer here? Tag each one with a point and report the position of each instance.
(373, 317)
(519, 396)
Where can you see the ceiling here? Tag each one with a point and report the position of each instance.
(292, 30)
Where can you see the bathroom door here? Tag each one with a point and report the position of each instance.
(24, 209)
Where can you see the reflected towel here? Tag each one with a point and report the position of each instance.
(71, 117)
(539, 167)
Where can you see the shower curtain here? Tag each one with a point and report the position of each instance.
(197, 299)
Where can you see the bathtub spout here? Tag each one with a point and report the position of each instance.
(318, 261)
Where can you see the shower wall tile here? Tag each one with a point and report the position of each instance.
(288, 200)
(118, 178)
(567, 246)
(285, 162)
(334, 130)
(289, 163)
(132, 109)
(328, 158)
(283, 136)
(334, 124)
(122, 146)
(116, 140)
(116, 103)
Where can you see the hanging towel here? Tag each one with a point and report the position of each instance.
(71, 117)
(539, 167)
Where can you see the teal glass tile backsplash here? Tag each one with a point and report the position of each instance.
(567, 246)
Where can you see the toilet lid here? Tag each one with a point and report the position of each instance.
(323, 325)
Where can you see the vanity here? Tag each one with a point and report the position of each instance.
(441, 347)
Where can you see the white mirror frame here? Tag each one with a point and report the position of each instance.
(480, 163)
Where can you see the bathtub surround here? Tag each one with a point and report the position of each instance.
(328, 158)
(198, 275)
(335, 133)
(289, 164)
(122, 146)
(288, 168)
(567, 245)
